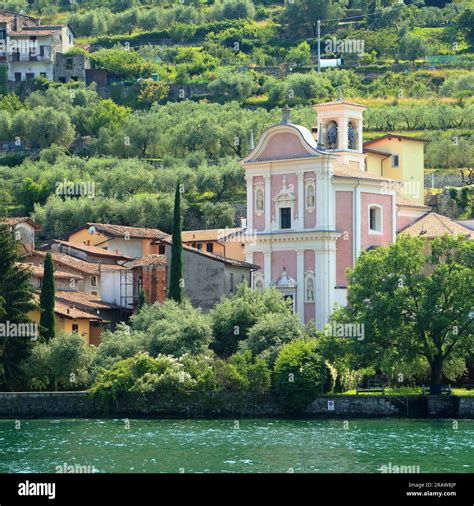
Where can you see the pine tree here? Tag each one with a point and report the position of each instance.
(176, 273)
(16, 300)
(47, 320)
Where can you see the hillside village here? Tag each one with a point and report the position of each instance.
(100, 268)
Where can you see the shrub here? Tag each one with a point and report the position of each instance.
(243, 373)
(173, 329)
(62, 363)
(270, 333)
(234, 316)
(142, 373)
(300, 374)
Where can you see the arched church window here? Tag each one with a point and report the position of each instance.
(310, 197)
(309, 287)
(331, 135)
(259, 201)
(351, 136)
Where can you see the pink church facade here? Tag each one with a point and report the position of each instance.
(313, 210)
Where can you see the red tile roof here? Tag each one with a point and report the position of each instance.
(15, 220)
(395, 136)
(433, 225)
(124, 231)
(404, 202)
(149, 260)
(93, 250)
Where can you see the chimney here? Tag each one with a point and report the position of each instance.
(243, 222)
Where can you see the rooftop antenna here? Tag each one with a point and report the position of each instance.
(285, 114)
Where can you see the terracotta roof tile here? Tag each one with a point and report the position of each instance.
(69, 311)
(82, 299)
(15, 220)
(433, 225)
(37, 271)
(93, 250)
(123, 231)
(149, 260)
(404, 202)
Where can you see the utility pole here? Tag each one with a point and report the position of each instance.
(319, 45)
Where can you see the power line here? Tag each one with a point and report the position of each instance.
(359, 16)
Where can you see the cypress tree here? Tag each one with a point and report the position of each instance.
(176, 272)
(47, 321)
(141, 299)
(16, 300)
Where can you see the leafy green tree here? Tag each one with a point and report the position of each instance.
(414, 306)
(233, 9)
(411, 47)
(230, 85)
(270, 333)
(61, 363)
(234, 316)
(300, 373)
(48, 319)
(123, 62)
(118, 345)
(176, 268)
(30, 192)
(300, 54)
(16, 301)
(105, 113)
(301, 16)
(152, 92)
(218, 215)
(173, 329)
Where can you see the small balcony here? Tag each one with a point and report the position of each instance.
(29, 57)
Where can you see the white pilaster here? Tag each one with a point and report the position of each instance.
(300, 284)
(250, 198)
(342, 133)
(268, 203)
(249, 258)
(394, 216)
(357, 223)
(301, 199)
(267, 269)
(325, 280)
(325, 199)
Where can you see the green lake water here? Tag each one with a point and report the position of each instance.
(246, 445)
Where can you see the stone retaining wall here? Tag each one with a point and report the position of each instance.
(202, 405)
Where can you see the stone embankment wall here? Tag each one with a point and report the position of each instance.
(213, 405)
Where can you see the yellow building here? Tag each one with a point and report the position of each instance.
(225, 242)
(400, 158)
(69, 319)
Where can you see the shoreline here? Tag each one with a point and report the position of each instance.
(201, 405)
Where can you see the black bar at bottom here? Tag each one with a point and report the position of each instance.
(237, 489)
